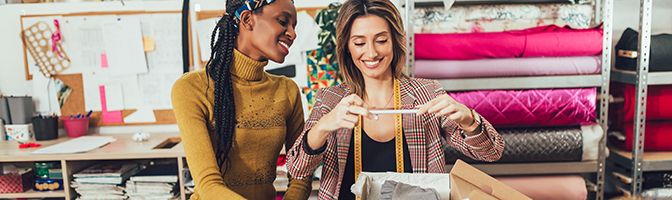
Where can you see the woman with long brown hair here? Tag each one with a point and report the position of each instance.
(341, 130)
(233, 117)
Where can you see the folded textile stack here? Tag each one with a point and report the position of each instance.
(658, 116)
(485, 41)
(156, 182)
(102, 181)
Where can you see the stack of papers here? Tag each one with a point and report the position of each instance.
(156, 182)
(103, 180)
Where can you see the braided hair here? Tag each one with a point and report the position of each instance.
(218, 69)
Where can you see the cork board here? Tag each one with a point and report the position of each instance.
(76, 103)
(29, 76)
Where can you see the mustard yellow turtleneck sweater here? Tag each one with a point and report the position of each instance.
(269, 114)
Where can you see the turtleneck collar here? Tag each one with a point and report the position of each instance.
(247, 68)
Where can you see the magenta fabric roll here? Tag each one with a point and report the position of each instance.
(532, 108)
(569, 187)
(508, 67)
(549, 41)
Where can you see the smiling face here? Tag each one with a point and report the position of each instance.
(370, 46)
(272, 31)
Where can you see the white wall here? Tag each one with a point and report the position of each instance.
(12, 79)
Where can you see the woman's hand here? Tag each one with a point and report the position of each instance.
(446, 106)
(344, 115)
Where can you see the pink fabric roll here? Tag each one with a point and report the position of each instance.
(508, 67)
(532, 108)
(549, 187)
(535, 42)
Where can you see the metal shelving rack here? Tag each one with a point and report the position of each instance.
(598, 167)
(638, 161)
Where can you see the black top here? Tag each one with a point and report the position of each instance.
(376, 157)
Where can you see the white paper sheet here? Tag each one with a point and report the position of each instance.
(156, 88)
(131, 91)
(124, 46)
(77, 145)
(44, 95)
(204, 30)
(92, 80)
(142, 115)
(165, 29)
(83, 39)
(114, 96)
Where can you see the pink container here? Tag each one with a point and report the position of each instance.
(76, 127)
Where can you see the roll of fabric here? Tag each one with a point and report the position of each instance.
(660, 53)
(557, 144)
(571, 187)
(657, 180)
(532, 108)
(658, 136)
(549, 41)
(498, 18)
(657, 102)
(508, 67)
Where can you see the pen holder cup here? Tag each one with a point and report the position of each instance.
(76, 127)
(45, 128)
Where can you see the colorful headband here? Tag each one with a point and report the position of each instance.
(250, 5)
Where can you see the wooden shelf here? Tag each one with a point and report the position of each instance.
(34, 194)
(652, 161)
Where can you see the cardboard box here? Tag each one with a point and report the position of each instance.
(467, 182)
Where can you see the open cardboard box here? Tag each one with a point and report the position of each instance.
(467, 182)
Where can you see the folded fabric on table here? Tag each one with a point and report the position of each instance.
(555, 144)
(544, 41)
(532, 108)
(508, 67)
(569, 187)
(497, 18)
(660, 53)
(657, 102)
(658, 136)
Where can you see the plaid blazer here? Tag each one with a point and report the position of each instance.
(426, 136)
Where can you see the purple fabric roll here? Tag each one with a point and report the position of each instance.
(508, 67)
(532, 108)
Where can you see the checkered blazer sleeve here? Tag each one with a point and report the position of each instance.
(487, 145)
(301, 164)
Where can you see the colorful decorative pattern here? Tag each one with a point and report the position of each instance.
(497, 18)
(322, 73)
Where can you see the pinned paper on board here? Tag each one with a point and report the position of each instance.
(108, 117)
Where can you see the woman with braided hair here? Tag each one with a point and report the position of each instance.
(234, 117)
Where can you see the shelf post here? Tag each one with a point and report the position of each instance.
(643, 49)
(606, 11)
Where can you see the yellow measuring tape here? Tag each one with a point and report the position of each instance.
(398, 134)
